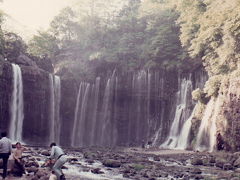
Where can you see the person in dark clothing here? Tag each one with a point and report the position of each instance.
(220, 142)
(5, 152)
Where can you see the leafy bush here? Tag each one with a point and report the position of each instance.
(199, 95)
(212, 86)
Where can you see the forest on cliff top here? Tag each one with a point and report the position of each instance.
(141, 34)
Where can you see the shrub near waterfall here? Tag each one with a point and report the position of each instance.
(199, 95)
(212, 86)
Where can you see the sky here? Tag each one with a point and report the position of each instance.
(33, 14)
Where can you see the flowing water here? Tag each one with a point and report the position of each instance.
(206, 138)
(55, 99)
(182, 113)
(202, 142)
(184, 135)
(17, 113)
(80, 115)
(96, 90)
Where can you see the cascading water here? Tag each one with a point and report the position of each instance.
(104, 132)
(115, 111)
(95, 110)
(55, 99)
(159, 84)
(17, 114)
(206, 138)
(108, 124)
(136, 129)
(183, 110)
(183, 138)
(203, 136)
(80, 115)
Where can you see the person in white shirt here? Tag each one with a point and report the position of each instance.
(5, 152)
(60, 159)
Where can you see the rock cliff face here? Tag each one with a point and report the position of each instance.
(5, 94)
(36, 104)
(118, 109)
(216, 123)
(231, 112)
(36, 100)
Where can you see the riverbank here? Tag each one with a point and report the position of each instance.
(135, 163)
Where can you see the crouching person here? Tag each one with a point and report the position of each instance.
(60, 158)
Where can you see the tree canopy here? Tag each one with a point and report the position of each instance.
(210, 30)
(131, 37)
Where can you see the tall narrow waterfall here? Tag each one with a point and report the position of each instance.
(95, 110)
(80, 115)
(107, 121)
(17, 114)
(55, 99)
(182, 112)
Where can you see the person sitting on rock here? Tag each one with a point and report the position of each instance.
(60, 159)
(17, 156)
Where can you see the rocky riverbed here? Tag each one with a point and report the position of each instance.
(135, 163)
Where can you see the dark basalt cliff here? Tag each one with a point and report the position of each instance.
(128, 109)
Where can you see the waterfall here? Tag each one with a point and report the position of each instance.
(76, 115)
(159, 85)
(17, 114)
(206, 137)
(80, 110)
(104, 132)
(114, 130)
(183, 138)
(55, 99)
(108, 132)
(181, 114)
(149, 75)
(95, 109)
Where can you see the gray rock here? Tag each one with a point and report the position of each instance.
(112, 163)
(196, 161)
(196, 171)
(237, 163)
(97, 171)
(45, 153)
(31, 164)
(32, 169)
(227, 166)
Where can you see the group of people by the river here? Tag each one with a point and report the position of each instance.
(57, 158)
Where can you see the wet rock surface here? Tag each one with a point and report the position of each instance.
(123, 164)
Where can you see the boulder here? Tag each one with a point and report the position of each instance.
(227, 166)
(196, 161)
(97, 171)
(32, 169)
(31, 164)
(196, 171)
(237, 163)
(220, 162)
(45, 153)
(112, 163)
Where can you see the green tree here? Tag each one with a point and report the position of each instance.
(210, 31)
(43, 44)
